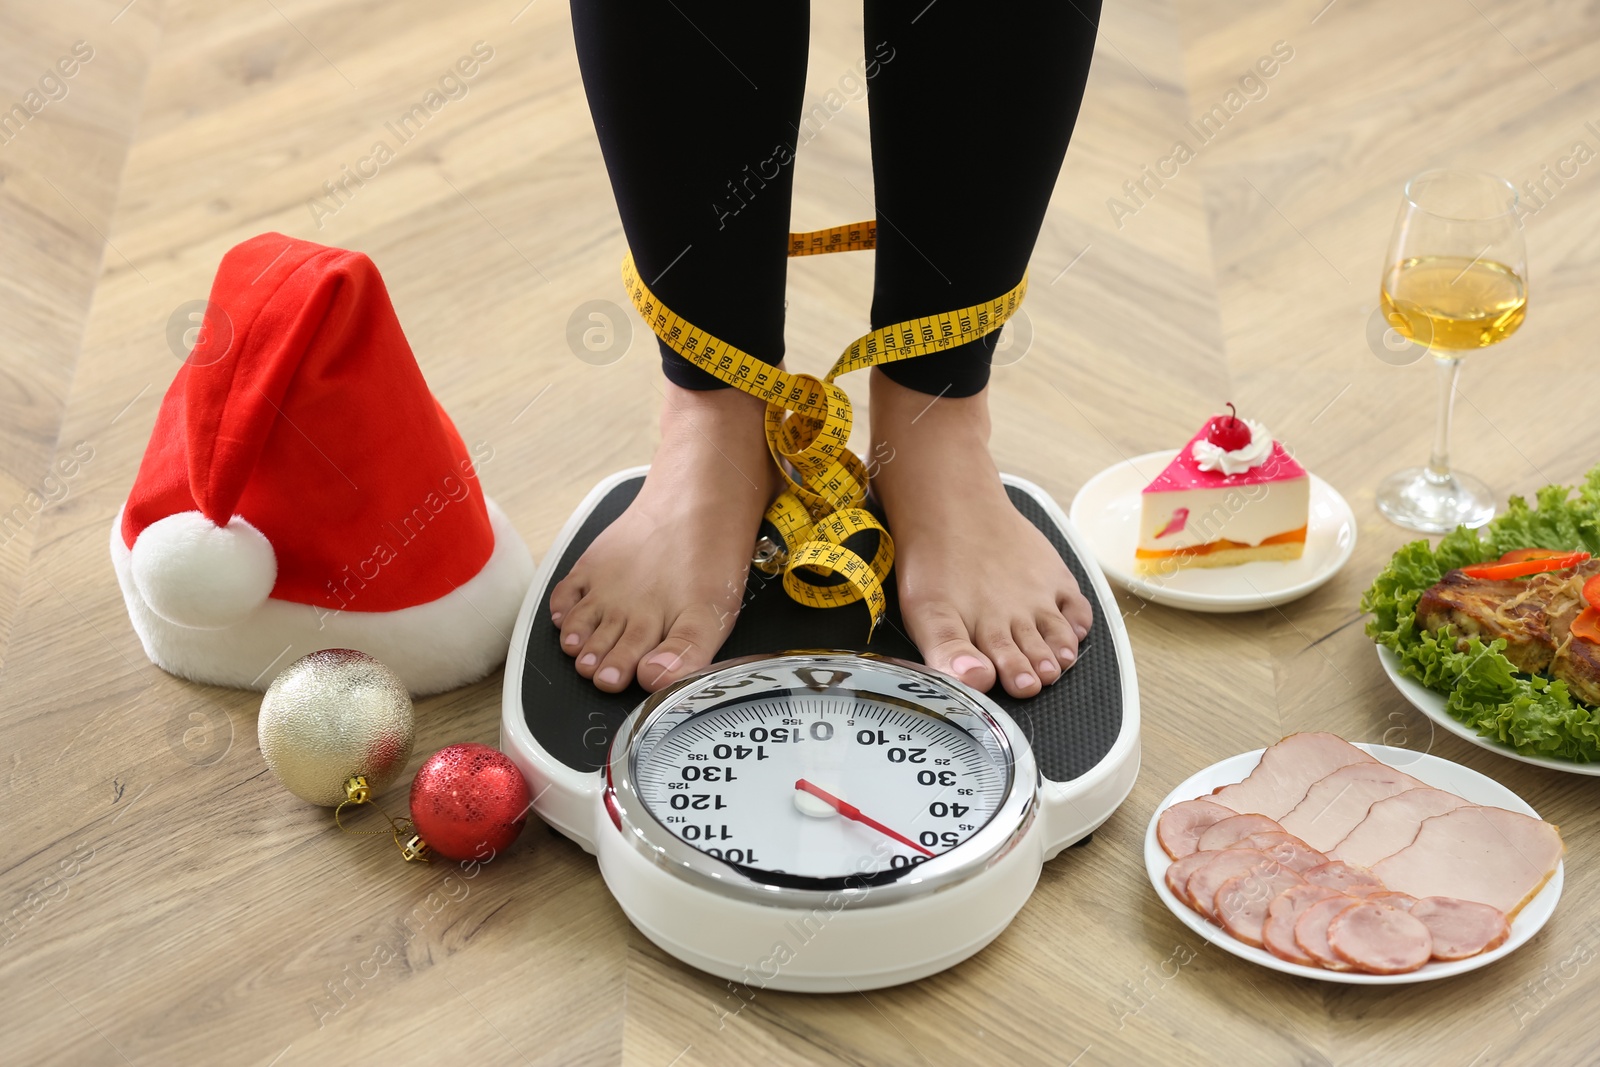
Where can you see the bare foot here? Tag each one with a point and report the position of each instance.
(983, 592)
(658, 591)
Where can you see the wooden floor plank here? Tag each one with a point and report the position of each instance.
(209, 917)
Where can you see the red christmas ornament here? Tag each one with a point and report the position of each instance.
(469, 802)
(1228, 432)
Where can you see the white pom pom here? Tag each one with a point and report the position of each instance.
(195, 573)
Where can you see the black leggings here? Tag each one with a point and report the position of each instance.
(698, 110)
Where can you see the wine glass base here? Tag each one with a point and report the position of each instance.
(1415, 500)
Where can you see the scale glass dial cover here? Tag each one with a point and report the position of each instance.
(812, 773)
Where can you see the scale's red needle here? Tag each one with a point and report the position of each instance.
(850, 811)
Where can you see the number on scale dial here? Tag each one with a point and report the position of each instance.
(821, 786)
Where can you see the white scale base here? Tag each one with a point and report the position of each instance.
(820, 950)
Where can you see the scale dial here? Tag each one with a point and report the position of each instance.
(762, 783)
(821, 772)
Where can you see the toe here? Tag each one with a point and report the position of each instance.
(694, 638)
(600, 643)
(568, 592)
(1059, 637)
(578, 623)
(946, 646)
(1075, 607)
(1038, 653)
(1017, 675)
(616, 668)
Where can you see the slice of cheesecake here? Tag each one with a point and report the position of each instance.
(1230, 496)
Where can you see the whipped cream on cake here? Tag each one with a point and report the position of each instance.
(1213, 458)
(1230, 496)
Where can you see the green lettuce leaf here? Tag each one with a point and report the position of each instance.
(1534, 715)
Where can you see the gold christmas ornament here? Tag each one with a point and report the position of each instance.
(332, 716)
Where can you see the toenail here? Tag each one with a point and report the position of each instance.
(588, 659)
(555, 617)
(964, 665)
(665, 660)
(1068, 656)
(572, 640)
(1025, 681)
(1047, 667)
(609, 676)
(1081, 631)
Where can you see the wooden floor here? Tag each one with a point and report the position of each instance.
(161, 906)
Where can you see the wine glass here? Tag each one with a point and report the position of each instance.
(1455, 280)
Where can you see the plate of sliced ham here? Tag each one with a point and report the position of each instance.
(1361, 864)
(1432, 704)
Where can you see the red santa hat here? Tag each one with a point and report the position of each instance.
(303, 490)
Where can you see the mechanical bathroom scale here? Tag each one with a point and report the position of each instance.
(820, 821)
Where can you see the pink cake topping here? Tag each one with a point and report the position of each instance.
(1185, 473)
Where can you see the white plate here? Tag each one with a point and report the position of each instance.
(1439, 773)
(1106, 511)
(1431, 704)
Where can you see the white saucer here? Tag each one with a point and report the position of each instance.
(1439, 773)
(1432, 704)
(1106, 512)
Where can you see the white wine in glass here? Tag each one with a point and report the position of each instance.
(1455, 280)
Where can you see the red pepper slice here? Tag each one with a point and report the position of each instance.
(1517, 555)
(1586, 627)
(1591, 592)
(1495, 571)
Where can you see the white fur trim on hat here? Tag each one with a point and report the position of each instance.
(445, 643)
(194, 573)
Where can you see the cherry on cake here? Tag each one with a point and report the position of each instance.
(1230, 496)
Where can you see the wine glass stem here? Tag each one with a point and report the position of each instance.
(1439, 462)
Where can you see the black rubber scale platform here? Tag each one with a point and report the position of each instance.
(1071, 725)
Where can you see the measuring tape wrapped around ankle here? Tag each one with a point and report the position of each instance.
(808, 428)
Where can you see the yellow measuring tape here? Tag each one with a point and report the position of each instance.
(808, 427)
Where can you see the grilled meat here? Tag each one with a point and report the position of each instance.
(1534, 615)
(1479, 607)
(1578, 664)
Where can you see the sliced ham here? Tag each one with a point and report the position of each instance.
(1287, 849)
(1346, 879)
(1180, 826)
(1243, 900)
(1324, 856)
(1286, 771)
(1208, 878)
(1311, 930)
(1178, 874)
(1277, 933)
(1461, 928)
(1334, 805)
(1490, 855)
(1380, 939)
(1402, 901)
(1391, 824)
(1227, 833)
